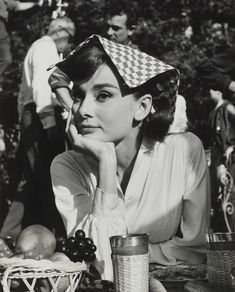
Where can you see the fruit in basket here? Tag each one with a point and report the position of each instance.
(59, 256)
(36, 242)
(77, 247)
(5, 251)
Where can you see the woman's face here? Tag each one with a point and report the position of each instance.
(100, 110)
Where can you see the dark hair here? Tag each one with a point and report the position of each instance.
(228, 95)
(81, 66)
(158, 122)
(121, 8)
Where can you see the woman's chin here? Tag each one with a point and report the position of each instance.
(94, 136)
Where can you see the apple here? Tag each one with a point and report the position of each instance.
(36, 242)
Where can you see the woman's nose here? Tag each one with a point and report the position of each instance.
(86, 107)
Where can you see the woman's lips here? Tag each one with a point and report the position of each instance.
(87, 129)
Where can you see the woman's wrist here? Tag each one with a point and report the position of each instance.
(106, 153)
(104, 203)
(107, 176)
(107, 170)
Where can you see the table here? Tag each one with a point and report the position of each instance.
(184, 278)
(180, 278)
(197, 286)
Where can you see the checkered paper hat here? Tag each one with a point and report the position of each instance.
(135, 67)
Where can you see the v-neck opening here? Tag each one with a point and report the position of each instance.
(144, 148)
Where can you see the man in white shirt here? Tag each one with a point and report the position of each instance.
(42, 128)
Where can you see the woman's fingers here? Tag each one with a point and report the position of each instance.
(69, 118)
(80, 141)
(95, 148)
(73, 132)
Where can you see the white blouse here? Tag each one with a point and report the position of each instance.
(169, 189)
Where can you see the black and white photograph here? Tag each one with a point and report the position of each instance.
(117, 146)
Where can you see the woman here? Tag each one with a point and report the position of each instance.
(125, 174)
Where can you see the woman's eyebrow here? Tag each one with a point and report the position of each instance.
(101, 85)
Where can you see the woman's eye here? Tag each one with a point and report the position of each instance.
(103, 96)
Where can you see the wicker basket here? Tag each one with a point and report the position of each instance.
(220, 259)
(30, 272)
(219, 264)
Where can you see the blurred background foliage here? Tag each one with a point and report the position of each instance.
(181, 32)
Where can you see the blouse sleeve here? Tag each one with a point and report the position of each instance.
(101, 220)
(189, 247)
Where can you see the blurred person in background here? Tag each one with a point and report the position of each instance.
(218, 72)
(120, 25)
(222, 124)
(218, 75)
(42, 126)
(5, 48)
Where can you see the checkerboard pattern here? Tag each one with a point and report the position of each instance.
(136, 67)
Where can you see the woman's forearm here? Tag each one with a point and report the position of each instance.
(107, 173)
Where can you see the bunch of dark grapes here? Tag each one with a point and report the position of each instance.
(77, 247)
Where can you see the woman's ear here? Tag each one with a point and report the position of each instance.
(143, 107)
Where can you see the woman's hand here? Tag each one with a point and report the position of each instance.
(103, 152)
(97, 149)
